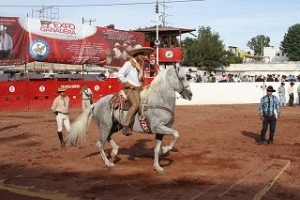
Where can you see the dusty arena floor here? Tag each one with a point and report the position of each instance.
(216, 157)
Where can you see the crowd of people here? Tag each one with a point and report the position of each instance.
(231, 78)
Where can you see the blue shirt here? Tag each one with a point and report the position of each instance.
(264, 108)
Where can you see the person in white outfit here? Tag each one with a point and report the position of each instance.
(87, 97)
(281, 94)
(60, 107)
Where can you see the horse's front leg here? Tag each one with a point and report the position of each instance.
(158, 149)
(175, 135)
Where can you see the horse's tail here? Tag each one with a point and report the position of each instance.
(81, 123)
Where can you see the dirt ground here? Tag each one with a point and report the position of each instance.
(216, 157)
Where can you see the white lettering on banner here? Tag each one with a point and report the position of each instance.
(56, 30)
(12, 88)
(70, 86)
(57, 27)
(42, 88)
(64, 25)
(97, 87)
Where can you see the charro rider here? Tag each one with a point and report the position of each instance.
(131, 76)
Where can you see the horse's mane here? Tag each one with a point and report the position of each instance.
(158, 86)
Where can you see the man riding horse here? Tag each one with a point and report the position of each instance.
(131, 76)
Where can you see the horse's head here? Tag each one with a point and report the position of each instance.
(182, 86)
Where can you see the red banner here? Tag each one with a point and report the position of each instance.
(24, 40)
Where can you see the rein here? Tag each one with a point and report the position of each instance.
(145, 106)
(183, 92)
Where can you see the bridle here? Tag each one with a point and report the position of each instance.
(183, 92)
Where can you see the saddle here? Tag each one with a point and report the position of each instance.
(120, 101)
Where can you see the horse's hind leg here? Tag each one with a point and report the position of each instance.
(100, 145)
(107, 137)
(115, 147)
(157, 152)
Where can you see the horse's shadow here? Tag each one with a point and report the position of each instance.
(138, 150)
(252, 135)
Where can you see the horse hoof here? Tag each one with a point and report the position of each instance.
(111, 167)
(160, 171)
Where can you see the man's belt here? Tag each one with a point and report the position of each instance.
(269, 115)
(62, 113)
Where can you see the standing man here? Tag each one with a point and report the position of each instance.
(6, 43)
(298, 91)
(60, 107)
(291, 94)
(87, 97)
(131, 76)
(281, 94)
(269, 112)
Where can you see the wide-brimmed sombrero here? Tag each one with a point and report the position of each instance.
(139, 49)
(60, 89)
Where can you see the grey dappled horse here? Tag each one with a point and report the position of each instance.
(159, 100)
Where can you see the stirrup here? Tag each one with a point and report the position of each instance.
(126, 131)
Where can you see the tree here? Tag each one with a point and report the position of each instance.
(291, 43)
(231, 58)
(258, 43)
(207, 51)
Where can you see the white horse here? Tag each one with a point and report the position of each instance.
(158, 109)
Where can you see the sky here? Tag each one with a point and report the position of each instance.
(236, 21)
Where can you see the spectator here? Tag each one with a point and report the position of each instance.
(298, 91)
(231, 79)
(291, 94)
(152, 62)
(211, 78)
(12, 76)
(281, 94)
(223, 79)
(189, 74)
(101, 77)
(198, 78)
(270, 78)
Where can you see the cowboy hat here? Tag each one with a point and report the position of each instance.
(138, 49)
(117, 44)
(2, 28)
(60, 89)
(270, 89)
(126, 43)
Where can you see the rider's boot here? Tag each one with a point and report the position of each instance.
(61, 139)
